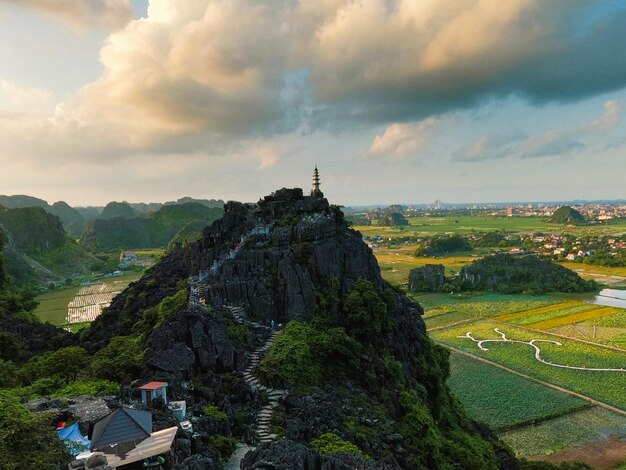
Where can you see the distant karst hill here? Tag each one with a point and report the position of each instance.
(154, 229)
(38, 249)
(515, 274)
(567, 215)
(72, 220)
(117, 209)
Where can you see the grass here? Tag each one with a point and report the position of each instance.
(502, 399)
(575, 429)
(604, 386)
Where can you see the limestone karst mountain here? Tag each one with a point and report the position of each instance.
(355, 368)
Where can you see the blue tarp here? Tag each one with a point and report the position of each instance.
(73, 439)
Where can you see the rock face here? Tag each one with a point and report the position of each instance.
(428, 278)
(293, 257)
(289, 455)
(191, 343)
(271, 257)
(127, 308)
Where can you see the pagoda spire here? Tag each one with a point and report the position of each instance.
(315, 189)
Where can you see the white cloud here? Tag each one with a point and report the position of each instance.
(80, 14)
(401, 140)
(20, 99)
(610, 118)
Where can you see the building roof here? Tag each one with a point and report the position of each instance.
(121, 426)
(158, 443)
(153, 386)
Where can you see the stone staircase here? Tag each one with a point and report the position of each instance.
(264, 417)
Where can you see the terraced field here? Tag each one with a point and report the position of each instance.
(80, 304)
(606, 386)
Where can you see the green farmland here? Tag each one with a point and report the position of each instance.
(502, 399)
(574, 429)
(53, 306)
(605, 386)
(429, 225)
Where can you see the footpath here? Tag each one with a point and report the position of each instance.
(262, 427)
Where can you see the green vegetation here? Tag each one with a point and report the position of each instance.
(567, 215)
(330, 443)
(393, 219)
(120, 361)
(574, 429)
(154, 229)
(53, 306)
(31, 433)
(514, 274)
(502, 399)
(117, 209)
(441, 245)
(153, 317)
(39, 236)
(224, 445)
(213, 411)
(238, 333)
(607, 387)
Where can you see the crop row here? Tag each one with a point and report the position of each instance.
(84, 314)
(115, 286)
(574, 429)
(503, 399)
(605, 386)
(93, 299)
(540, 317)
(574, 317)
(536, 311)
(486, 305)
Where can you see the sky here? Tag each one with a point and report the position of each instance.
(395, 101)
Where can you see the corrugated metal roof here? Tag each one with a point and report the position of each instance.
(153, 386)
(123, 425)
(158, 443)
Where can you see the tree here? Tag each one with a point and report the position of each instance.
(367, 313)
(65, 363)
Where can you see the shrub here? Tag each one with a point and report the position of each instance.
(238, 333)
(213, 411)
(121, 361)
(88, 387)
(330, 443)
(224, 445)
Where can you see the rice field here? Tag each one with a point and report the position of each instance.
(574, 429)
(502, 399)
(605, 386)
(80, 304)
(486, 305)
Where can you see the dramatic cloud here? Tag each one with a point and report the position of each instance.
(204, 75)
(192, 68)
(402, 140)
(79, 14)
(391, 60)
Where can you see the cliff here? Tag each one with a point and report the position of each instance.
(351, 380)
